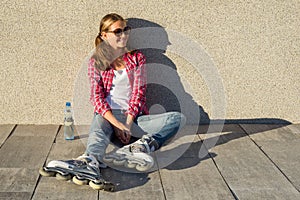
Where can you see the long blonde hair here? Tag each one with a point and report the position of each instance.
(103, 54)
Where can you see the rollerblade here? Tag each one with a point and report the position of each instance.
(134, 156)
(82, 170)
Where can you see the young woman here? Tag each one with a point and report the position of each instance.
(118, 93)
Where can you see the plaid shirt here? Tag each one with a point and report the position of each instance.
(101, 83)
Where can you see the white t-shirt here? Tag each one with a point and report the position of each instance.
(120, 92)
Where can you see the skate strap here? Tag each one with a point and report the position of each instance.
(150, 143)
(91, 160)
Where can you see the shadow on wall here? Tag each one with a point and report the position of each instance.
(165, 90)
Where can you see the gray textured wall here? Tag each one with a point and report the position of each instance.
(237, 60)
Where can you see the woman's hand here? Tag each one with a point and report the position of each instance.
(123, 133)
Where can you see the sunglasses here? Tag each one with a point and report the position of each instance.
(118, 32)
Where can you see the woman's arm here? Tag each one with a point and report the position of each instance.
(97, 95)
(139, 85)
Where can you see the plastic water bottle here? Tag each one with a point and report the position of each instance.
(68, 122)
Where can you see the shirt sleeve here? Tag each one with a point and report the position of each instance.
(138, 97)
(97, 95)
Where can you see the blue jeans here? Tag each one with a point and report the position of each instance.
(161, 127)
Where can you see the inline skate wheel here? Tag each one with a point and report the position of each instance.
(118, 162)
(143, 168)
(62, 177)
(107, 159)
(130, 165)
(96, 186)
(45, 173)
(79, 181)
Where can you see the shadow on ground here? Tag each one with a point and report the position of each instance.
(125, 181)
(232, 132)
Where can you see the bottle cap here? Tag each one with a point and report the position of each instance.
(68, 103)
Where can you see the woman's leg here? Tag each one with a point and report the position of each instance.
(99, 137)
(158, 128)
(161, 127)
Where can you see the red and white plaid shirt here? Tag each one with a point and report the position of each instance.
(101, 83)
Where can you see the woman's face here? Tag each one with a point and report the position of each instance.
(117, 35)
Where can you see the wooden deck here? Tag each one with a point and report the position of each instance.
(247, 162)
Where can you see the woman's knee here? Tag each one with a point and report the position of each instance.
(177, 118)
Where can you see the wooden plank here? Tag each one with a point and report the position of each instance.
(20, 157)
(133, 185)
(282, 145)
(15, 195)
(50, 188)
(191, 177)
(5, 130)
(27, 151)
(17, 179)
(24, 152)
(36, 130)
(248, 172)
(269, 132)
